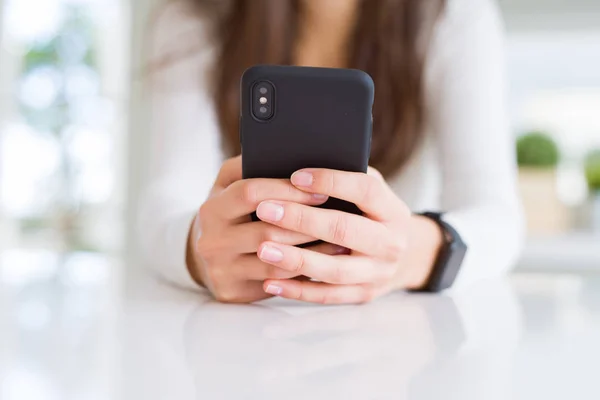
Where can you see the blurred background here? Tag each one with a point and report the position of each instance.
(72, 145)
(64, 92)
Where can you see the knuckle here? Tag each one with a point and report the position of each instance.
(249, 192)
(291, 192)
(298, 218)
(300, 262)
(338, 229)
(216, 276)
(339, 275)
(217, 273)
(204, 211)
(226, 295)
(370, 190)
(208, 249)
(213, 277)
(393, 250)
(330, 181)
(299, 294)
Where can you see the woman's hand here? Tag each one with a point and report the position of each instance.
(223, 242)
(391, 249)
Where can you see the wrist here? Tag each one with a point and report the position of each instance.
(424, 244)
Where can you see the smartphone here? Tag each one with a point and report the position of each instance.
(305, 117)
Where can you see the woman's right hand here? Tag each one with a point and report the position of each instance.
(223, 240)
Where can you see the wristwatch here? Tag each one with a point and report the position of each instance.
(449, 259)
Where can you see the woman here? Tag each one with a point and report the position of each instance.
(440, 141)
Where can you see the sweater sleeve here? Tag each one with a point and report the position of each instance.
(185, 151)
(469, 119)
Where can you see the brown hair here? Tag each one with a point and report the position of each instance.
(388, 43)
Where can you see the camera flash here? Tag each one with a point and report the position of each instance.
(263, 100)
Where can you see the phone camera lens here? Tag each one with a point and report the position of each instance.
(263, 101)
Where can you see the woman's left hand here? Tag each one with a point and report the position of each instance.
(377, 241)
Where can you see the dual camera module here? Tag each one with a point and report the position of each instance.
(263, 100)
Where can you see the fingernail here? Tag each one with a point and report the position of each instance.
(269, 211)
(274, 290)
(320, 197)
(302, 178)
(271, 254)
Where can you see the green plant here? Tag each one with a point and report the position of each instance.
(537, 149)
(592, 170)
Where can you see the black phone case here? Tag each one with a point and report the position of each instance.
(322, 119)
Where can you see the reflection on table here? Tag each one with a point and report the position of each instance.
(73, 328)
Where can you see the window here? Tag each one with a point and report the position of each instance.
(61, 133)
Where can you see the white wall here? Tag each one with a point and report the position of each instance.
(524, 15)
(553, 47)
(548, 61)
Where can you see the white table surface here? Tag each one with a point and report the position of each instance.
(68, 334)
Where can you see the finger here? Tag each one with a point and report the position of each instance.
(231, 171)
(243, 197)
(250, 267)
(352, 231)
(247, 237)
(341, 270)
(321, 293)
(368, 192)
(238, 291)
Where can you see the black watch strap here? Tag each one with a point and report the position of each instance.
(450, 257)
